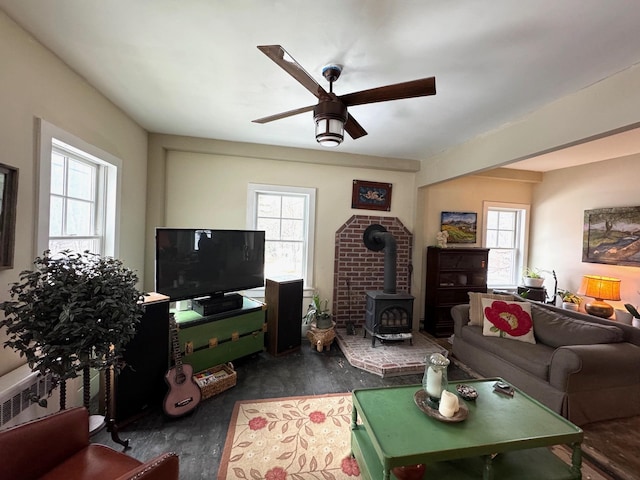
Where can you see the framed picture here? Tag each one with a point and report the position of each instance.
(612, 236)
(8, 201)
(462, 226)
(371, 195)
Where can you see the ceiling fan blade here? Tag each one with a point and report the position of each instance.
(278, 116)
(353, 128)
(293, 68)
(398, 91)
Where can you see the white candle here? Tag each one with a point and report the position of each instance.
(448, 404)
(434, 383)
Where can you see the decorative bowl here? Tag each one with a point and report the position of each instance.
(420, 399)
(467, 392)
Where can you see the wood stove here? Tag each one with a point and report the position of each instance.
(389, 314)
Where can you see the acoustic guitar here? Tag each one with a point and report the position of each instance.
(184, 394)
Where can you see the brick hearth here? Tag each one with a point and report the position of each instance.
(387, 360)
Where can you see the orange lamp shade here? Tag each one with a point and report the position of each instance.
(600, 288)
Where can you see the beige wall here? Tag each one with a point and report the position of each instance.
(35, 83)
(558, 209)
(465, 194)
(210, 190)
(558, 203)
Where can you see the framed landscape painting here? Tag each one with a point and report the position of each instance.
(612, 236)
(461, 226)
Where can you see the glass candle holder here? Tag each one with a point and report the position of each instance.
(435, 379)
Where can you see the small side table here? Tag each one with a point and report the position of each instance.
(322, 337)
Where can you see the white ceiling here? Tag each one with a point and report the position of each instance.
(191, 67)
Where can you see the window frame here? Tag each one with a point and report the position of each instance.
(523, 216)
(254, 189)
(110, 187)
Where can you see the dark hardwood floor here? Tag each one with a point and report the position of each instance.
(199, 437)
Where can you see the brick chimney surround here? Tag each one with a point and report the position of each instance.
(358, 269)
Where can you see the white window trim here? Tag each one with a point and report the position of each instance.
(254, 188)
(524, 240)
(47, 133)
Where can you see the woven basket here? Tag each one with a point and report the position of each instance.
(215, 380)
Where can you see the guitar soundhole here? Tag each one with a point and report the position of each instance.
(180, 378)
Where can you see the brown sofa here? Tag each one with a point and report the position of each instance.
(583, 367)
(57, 447)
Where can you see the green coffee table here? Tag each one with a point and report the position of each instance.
(394, 432)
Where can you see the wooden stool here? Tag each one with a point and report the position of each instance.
(321, 337)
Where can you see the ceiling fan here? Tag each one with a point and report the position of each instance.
(330, 113)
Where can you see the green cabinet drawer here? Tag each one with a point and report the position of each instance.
(216, 339)
(203, 334)
(225, 352)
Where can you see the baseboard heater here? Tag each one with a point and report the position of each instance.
(20, 391)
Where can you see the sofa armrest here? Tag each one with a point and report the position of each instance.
(163, 467)
(50, 440)
(586, 367)
(460, 316)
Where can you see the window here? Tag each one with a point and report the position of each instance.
(286, 214)
(506, 229)
(75, 203)
(77, 195)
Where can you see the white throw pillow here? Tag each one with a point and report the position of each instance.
(508, 320)
(476, 311)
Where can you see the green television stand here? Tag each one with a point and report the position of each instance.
(207, 341)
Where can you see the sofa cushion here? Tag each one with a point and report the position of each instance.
(532, 358)
(476, 314)
(510, 320)
(557, 330)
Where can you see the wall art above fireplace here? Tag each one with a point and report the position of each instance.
(371, 195)
(612, 236)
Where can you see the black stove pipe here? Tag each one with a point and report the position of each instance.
(376, 238)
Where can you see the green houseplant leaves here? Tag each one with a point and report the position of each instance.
(71, 311)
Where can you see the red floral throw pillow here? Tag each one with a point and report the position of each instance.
(508, 320)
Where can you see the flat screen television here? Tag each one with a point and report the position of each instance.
(199, 262)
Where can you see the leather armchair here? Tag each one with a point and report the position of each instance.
(57, 447)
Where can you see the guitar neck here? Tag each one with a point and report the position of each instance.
(177, 357)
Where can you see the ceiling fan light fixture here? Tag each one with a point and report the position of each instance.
(330, 117)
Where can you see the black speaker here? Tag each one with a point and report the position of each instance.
(140, 384)
(284, 315)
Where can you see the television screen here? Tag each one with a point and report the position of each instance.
(194, 263)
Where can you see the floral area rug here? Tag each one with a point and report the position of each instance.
(303, 438)
(290, 438)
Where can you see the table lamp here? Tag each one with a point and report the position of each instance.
(600, 288)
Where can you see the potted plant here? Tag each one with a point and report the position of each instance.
(72, 312)
(570, 300)
(316, 313)
(633, 311)
(532, 278)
